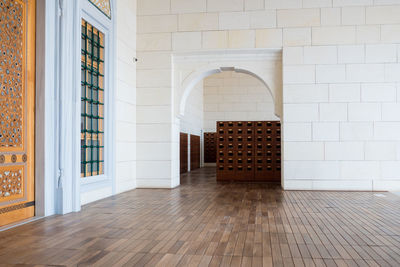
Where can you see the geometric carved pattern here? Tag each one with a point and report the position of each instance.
(17, 207)
(13, 158)
(92, 101)
(11, 181)
(17, 110)
(103, 5)
(11, 73)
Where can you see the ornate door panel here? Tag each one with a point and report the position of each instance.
(17, 99)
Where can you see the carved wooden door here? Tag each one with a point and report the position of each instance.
(17, 107)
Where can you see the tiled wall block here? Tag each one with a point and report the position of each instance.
(306, 93)
(125, 109)
(296, 36)
(351, 54)
(268, 38)
(345, 92)
(198, 22)
(341, 79)
(298, 17)
(325, 131)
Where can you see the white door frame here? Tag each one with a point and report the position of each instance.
(57, 123)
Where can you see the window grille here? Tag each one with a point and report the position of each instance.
(92, 101)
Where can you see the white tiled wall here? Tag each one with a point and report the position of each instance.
(125, 107)
(235, 96)
(341, 79)
(348, 128)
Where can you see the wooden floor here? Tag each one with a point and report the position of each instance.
(203, 223)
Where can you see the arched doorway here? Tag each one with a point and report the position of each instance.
(190, 69)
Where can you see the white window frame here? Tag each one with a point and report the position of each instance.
(97, 19)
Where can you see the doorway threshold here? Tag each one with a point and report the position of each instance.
(16, 224)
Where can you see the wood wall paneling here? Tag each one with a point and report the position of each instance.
(194, 152)
(210, 147)
(183, 152)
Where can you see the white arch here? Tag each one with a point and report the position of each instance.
(191, 80)
(191, 67)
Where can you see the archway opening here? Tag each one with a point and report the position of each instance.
(224, 94)
(193, 80)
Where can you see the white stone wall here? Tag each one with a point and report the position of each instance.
(125, 105)
(341, 115)
(343, 131)
(235, 96)
(341, 75)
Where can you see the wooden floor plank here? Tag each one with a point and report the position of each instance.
(205, 223)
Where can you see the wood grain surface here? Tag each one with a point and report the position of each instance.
(205, 223)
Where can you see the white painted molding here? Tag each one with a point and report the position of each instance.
(46, 112)
(66, 185)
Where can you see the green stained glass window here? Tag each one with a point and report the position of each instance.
(92, 101)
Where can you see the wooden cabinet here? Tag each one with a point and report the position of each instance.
(267, 151)
(183, 152)
(194, 152)
(210, 147)
(249, 151)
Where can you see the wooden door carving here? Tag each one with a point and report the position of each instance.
(17, 106)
